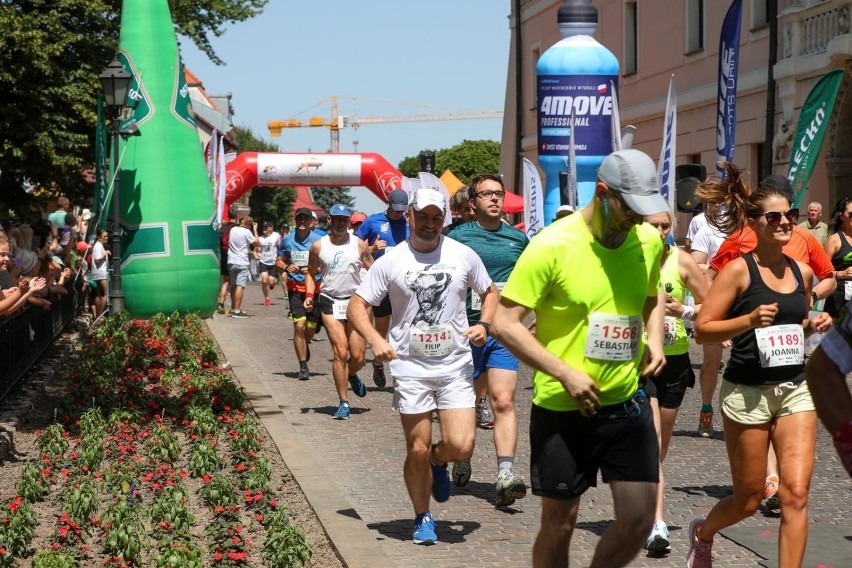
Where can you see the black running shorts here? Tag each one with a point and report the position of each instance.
(568, 449)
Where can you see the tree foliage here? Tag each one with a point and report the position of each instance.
(51, 53)
(465, 160)
(325, 196)
(274, 204)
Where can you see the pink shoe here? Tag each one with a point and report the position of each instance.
(699, 550)
(266, 301)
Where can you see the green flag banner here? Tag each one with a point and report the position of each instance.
(170, 252)
(810, 131)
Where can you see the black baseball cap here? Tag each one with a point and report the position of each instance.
(304, 211)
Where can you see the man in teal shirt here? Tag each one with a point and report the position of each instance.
(499, 245)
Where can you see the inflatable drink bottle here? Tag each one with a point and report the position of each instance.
(169, 245)
(577, 71)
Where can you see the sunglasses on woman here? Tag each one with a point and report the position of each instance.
(773, 218)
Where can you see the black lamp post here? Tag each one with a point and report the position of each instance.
(115, 82)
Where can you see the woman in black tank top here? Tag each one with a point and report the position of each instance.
(838, 246)
(761, 303)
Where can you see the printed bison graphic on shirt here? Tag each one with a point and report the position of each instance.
(429, 288)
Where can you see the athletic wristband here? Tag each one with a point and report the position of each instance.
(843, 445)
(309, 295)
(688, 313)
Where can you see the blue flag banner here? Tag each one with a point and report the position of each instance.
(729, 59)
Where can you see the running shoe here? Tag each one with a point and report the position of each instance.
(358, 386)
(266, 301)
(440, 481)
(239, 314)
(658, 540)
(699, 551)
(221, 308)
(509, 488)
(304, 374)
(461, 473)
(484, 417)
(705, 424)
(424, 529)
(770, 493)
(379, 375)
(342, 411)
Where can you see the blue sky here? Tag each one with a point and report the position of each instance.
(432, 57)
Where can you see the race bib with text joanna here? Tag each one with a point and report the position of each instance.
(780, 345)
(432, 341)
(612, 337)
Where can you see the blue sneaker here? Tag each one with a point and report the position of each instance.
(440, 482)
(424, 529)
(358, 386)
(342, 411)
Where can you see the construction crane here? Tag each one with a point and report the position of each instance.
(337, 122)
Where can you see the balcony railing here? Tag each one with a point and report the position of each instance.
(809, 29)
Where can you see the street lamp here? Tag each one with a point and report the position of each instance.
(115, 82)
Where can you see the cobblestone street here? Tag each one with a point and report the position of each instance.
(363, 456)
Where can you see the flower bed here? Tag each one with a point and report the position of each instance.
(152, 462)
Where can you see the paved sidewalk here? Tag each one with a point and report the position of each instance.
(351, 471)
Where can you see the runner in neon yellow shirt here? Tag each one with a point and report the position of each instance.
(593, 280)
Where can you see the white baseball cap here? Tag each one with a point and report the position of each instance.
(426, 196)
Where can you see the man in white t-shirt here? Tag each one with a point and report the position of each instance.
(428, 346)
(240, 242)
(695, 225)
(266, 260)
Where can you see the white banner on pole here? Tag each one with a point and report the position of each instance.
(533, 200)
(616, 120)
(668, 153)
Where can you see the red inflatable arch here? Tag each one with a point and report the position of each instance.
(252, 169)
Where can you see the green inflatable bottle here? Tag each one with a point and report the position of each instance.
(170, 252)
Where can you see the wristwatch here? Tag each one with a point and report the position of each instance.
(486, 325)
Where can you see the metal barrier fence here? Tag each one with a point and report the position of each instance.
(25, 334)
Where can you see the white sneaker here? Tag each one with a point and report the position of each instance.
(658, 540)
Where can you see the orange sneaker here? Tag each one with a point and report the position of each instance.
(705, 424)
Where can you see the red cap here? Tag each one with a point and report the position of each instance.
(82, 246)
(358, 218)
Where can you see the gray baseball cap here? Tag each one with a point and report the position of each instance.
(398, 200)
(634, 176)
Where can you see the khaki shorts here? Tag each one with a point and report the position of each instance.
(760, 404)
(416, 396)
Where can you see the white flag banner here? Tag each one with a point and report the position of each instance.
(571, 165)
(627, 134)
(616, 120)
(212, 154)
(410, 185)
(533, 200)
(431, 180)
(668, 153)
(222, 182)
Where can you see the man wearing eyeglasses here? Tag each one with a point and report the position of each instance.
(593, 280)
(499, 245)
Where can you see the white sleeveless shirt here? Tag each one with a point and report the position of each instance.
(340, 266)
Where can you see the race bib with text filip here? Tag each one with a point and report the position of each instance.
(432, 341)
(781, 345)
(612, 337)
